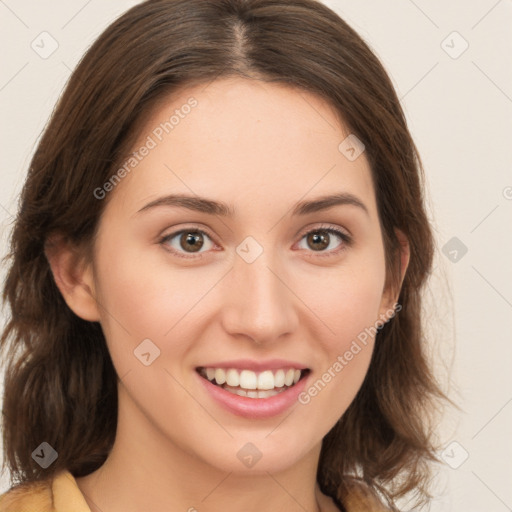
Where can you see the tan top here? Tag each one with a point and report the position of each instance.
(62, 494)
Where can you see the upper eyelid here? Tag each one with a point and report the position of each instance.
(302, 233)
(326, 226)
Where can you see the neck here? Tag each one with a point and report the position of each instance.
(147, 471)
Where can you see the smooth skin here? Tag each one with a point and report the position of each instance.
(261, 148)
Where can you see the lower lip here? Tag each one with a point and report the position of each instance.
(255, 408)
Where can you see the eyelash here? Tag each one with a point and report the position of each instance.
(346, 239)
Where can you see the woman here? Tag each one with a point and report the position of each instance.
(282, 366)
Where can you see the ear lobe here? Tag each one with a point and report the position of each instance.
(405, 254)
(391, 294)
(73, 277)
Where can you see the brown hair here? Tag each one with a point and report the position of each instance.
(60, 383)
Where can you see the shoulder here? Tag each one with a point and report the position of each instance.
(57, 494)
(362, 498)
(33, 496)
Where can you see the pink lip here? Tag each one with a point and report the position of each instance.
(257, 366)
(254, 408)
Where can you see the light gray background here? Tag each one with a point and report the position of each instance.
(459, 109)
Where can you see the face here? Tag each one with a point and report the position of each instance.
(259, 292)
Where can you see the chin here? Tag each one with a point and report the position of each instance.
(256, 453)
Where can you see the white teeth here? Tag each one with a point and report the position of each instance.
(220, 376)
(279, 379)
(251, 384)
(269, 393)
(253, 394)
(248, 380)
(288, 380)
(266, 380)
(232, 378)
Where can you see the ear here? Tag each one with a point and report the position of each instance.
(391, 293)
(73, 277)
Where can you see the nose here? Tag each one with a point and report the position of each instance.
(259, 303)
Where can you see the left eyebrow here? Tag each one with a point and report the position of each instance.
(211, 207)
(326, 202)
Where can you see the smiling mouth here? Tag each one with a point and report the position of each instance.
(251, 384)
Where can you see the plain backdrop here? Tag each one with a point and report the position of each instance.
(450, 62)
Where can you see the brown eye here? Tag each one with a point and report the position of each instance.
(192, 240)
(318, 241)
(187, 243)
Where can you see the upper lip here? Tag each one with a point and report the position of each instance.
(256, 366)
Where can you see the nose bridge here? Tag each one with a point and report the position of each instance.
(260, 305)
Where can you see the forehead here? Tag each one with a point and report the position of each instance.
(242, 140)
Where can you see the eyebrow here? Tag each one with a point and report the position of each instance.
(211, 207)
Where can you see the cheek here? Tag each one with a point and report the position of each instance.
(346, 350)
(347, 304)
(143, 296)
(354, 313)
(346, 300)
(143, 292)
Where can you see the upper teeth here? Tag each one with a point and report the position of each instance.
(248, 379)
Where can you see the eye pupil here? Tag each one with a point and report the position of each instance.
(322, 238)
(190, 237)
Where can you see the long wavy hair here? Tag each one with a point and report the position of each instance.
(60, 383)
